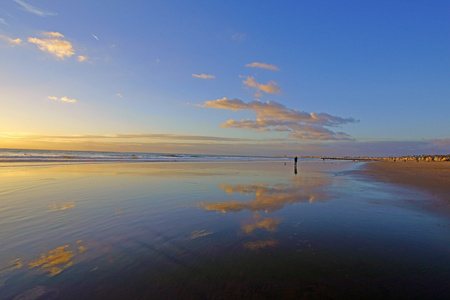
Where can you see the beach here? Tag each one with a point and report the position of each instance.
(433, 177)
(214, 230)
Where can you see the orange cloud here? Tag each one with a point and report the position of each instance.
(63, 99)
(269, 88)
(273, 116)
(262, 66)
(82, 58)
(204, 76)
(53, 34)
(11, 41)
(54, 45)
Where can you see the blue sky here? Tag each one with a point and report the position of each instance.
(226, 77)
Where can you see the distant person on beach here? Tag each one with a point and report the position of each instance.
(295, 165)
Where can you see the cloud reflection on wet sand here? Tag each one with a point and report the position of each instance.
(61, 206)
(267, 199)
(269, 224)
(257, 245)
(271, 198)
(50, 263)
(199, 233)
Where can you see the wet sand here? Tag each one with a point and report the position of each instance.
(433, 177)
(243, 230)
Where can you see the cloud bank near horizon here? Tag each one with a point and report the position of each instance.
(176, 143)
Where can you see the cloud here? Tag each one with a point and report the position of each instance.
(11, 41)
(34, 10)
(154, 136)
(273, 116)
(82, 58)
(55, 45)
(204, 76)
(95, 37)
(63, 99)
(53, 34)
(262, 66)
(238, 36)
(269, 88)
(119, 95)
(2, 21)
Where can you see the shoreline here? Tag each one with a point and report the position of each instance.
(431, 177)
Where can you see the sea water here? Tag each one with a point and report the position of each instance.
(27, 155)
(208, 230)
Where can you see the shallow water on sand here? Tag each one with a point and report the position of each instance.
(215, 230)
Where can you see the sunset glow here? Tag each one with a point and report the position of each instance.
(308, 78)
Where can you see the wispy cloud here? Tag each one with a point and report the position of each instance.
(238, 36)
(204, 76)
(12, 42)
(273, 116)
(2, 21)
(62, 99)
(270, 88)
(82, 58)
(262, 66)
(55, 45)
(34, 10)
(119, 95)
(53, 34)
(95, 37)
(149, 136)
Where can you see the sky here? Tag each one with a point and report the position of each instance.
(358, 78)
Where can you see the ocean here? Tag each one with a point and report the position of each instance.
(24, 155)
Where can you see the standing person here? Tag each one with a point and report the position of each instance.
(295, 165)
(295, 160)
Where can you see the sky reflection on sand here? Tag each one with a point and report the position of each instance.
(134, 230)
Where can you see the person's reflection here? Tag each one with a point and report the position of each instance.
(295, 165)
